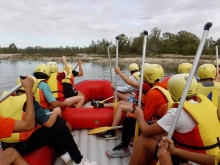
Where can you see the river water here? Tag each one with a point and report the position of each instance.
(10, 71)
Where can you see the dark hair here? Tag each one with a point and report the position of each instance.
(133, 71)
(40, 75)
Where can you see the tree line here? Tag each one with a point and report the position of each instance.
(184, 43)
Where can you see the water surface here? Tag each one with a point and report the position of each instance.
(10, 71)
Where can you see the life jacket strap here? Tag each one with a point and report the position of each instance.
(199, 148)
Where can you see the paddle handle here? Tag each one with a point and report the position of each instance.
(13, 90)
(109, 59)
(141, 83)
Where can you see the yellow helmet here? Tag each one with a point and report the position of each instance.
(218, 62)
(42, 68)
(177, 83)
(53, 67)
(133, 67)
(69, 66)
(34, 89)
(207, 71)
(184, 68)
(153, 72)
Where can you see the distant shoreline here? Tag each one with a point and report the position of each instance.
(158, 59)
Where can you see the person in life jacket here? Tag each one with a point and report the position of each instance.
(55, 83)
(156, 104)
(68, 82)
(217, 79)
(10, 125)
(126, 92)
(197, 129)
(54, 133)
(44, 95)
(125, 95)
(207, 73)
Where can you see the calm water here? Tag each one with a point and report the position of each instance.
(10, 71)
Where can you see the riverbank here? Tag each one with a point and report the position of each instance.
(164, 59)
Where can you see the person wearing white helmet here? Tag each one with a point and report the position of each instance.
(197, 129)
(156, 102)
(125, 95)
(207, 73)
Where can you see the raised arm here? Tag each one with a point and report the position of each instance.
(80, 68)
(28, 122)
(65, 64)
(126, 79)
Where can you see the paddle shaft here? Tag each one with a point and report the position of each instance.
(191, 74)
(116, 64)
(141, 83)
(109, 59)
(217, 68)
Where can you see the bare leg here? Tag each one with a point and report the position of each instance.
(81, 94)
(143, 150)
(11, 156)
(122, 106)
(77, 100)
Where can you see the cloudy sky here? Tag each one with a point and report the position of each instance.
(54, 23)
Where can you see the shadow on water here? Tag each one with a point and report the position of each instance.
(10, 71)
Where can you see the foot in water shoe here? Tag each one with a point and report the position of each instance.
(118, 152)
(96, 104)
(87, 162)
(66, 158)
(108, 135)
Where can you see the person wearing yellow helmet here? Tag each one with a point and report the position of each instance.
(193, 131)
(59, 88)
(54, 133)
(184, 67)
(125, 94)
(156, 100)
(207, 73)
(10, 125)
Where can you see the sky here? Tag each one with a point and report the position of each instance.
(55, 23)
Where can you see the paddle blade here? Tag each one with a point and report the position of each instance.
(99, 130)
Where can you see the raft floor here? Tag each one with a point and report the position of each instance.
(95, 149)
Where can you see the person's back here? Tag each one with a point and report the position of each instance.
(207, 73)
(153, 99)
(193, 131)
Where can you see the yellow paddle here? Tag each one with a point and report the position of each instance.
(103, 129)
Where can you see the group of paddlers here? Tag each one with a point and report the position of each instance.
(195, 139)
